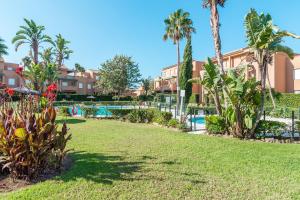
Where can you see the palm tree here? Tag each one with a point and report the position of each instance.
(146, 84)
(178, 26)
(62, 51)
(215, 27)
(264, 39)
(47, 55)
(3, 48)
(79, 68)
(31, 34)
(49, 66)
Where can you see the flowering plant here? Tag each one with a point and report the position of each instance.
(9, 91)
(19, 71)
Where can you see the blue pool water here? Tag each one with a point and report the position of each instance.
(102, 110)
(198, 120)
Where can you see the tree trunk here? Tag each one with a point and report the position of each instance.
(218, 103)
(239, 132)
(215, 25)
(263, 71)
(35, 47)
(270, 90)
(177, 81)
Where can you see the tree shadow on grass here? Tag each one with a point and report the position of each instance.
(99, 168)
(70, 121)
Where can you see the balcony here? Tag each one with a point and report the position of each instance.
(67, 77)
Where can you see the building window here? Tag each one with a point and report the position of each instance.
(11, 81)
(9, 68)
(297, 74)
(89, 86)
(64, 84)
(80, 85)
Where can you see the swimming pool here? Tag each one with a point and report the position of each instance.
(102, 111)
(199, 120)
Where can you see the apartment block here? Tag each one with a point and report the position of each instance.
(166, 83)
(69, 81)
(284, 73)
(73, 82)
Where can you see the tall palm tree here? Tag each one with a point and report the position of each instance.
(215, 27)
(62, 51)
(31, 34)
(3, 48)
(178, 26)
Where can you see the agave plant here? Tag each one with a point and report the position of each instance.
(29, 142)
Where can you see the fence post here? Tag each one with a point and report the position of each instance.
(293, 123)
(195, 128)
(175, 111)
(264, 121)
(191, 121)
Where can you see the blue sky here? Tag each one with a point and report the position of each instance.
(99, 29)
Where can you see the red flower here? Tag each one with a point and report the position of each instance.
(52, 87)
(19, 70)
(9, 91)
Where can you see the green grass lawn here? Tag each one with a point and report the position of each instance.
(118, 160)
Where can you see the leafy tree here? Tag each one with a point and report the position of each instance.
(31, 34)
(3, 48)
(79, 68)
(264, 39)
(62, 50)
(118, 74)
(186, 71)
(215, 27)
(178, 25)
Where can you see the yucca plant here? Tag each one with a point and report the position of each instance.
(30, 142)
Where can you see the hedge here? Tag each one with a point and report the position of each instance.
(79, 97)
(287, 100)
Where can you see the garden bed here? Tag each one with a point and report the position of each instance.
(8, 184)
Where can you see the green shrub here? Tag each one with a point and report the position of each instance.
(120, 113)
(182, 126)
(270, 127)
(64, 111)
(173, 123)
(215, 124)
(141, 116)
(162, 117)
(287, 100)
(89, 111)
(298, 126)
(146, 98)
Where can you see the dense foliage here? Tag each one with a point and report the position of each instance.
(274, 127)
(89, 111)
(215, 124)
(118, 75)
(80, 97)
(30, 143)
(3, 48)
(186, 71)
(287, 100)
